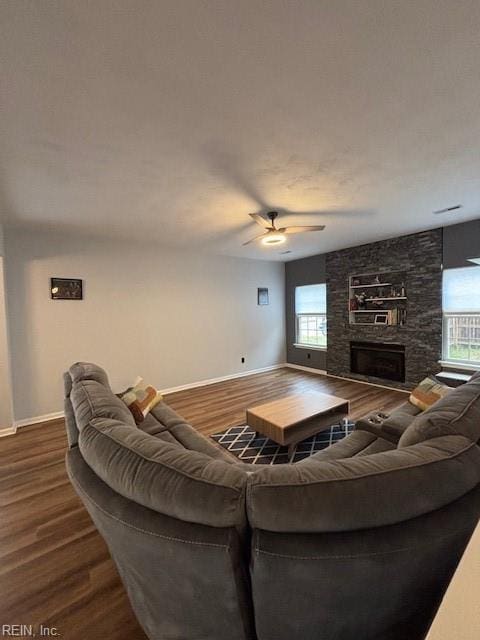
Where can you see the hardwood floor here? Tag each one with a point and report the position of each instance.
(55, 569)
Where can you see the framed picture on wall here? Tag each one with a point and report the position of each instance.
(262, 295)
(66, 289)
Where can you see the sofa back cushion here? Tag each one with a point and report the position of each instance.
(458, 413)
(362, 492)
(165, 477)
(70, 422)
(78, 372)
(88, 371)
(91, 399)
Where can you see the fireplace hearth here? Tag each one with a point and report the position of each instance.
(379, 360)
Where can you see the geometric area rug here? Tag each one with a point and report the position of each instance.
(241, 441)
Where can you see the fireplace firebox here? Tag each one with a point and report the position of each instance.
(379, 360)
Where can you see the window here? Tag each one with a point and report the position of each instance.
(311, 315)
(461, 315)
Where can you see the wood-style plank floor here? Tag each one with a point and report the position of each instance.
(55, 569)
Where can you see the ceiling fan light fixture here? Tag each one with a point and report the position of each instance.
(273, 238)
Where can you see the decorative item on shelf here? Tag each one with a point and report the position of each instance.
(262, 296)
(381, 293)
(66, 289)
(360, 298)
(382, 318)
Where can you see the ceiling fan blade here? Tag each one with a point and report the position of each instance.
(256, 217)
(318, 227)
(256, 238)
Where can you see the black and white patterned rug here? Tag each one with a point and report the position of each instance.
(241, 441)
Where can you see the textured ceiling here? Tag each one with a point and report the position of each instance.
(173, 120)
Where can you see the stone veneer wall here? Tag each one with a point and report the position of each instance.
(420, 255)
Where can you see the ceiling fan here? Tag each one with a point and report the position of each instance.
(271, 234)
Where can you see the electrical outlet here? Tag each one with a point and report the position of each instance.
(243, 359)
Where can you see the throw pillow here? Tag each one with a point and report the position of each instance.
(428, 392)
(140, 399)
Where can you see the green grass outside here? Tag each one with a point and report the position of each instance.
(316, 341)
(460, 352)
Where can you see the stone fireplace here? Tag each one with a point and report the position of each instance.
(419, 256)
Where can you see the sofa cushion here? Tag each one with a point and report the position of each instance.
(180, 483)
(151, 425)
(354, 444)
(161, 417)
(407, 408)
(456, 413)
(191, 439)
(363, 491)
(397, 423)
(88, 371)
(91, 399)
(377, 446)
(166, 415)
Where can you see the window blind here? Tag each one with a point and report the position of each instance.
(461, 290)
(311, 298)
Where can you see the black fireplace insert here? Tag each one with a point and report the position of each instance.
(379, 360)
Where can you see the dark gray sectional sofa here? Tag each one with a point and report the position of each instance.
(355, 543)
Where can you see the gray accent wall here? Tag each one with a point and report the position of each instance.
(298, 273)
(460, 242)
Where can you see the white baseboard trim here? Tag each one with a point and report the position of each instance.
(8, 431)
(320, 372)
(25, 422)
(232, 376)
(371, 384)
(202, 383)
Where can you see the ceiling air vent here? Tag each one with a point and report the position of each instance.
(448, 209)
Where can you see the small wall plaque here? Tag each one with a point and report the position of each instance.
(262, 296)
(66, 289)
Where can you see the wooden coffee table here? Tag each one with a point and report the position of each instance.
(291, 419)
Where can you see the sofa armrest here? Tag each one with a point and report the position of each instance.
(389, 427)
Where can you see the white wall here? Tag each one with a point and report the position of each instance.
(6, 417)
(172, 317)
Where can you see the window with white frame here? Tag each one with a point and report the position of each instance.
(461, 315)
(311, 315)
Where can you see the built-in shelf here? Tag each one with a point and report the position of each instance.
(364, 286)
(394, 298)
(389, 308)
